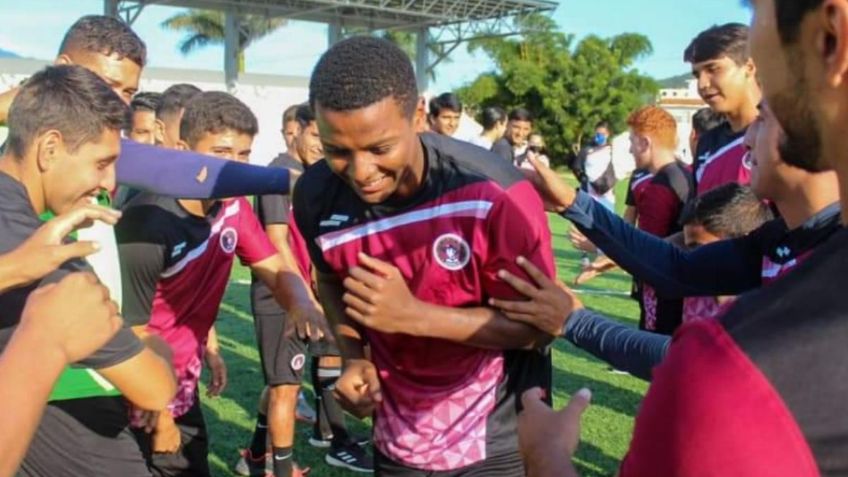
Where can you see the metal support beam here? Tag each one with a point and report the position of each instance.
(422, 59)
(334, 33)
(110, 8)
(231, 49)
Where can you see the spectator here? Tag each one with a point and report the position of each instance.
(494, 127)
(445, 113)
(143, 121)
(594, 167)
(514, 142)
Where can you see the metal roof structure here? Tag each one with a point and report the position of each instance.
(445, 22)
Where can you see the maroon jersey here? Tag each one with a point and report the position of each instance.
(175, 269)
(721, 158)
(446, 405)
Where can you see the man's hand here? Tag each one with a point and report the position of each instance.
(378, 297)
(166, 436)
(308, 322)
(550, 303)
(358, 388)
(45, 251)
(548, 438)
(75, 316)
(581, 242)
(217, 373)
(556, 194)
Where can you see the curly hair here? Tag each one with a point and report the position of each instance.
(361, 71)
(105, 35)
(656, 123)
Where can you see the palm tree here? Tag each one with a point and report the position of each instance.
(206, 27)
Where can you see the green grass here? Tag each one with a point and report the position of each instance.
(607, 425)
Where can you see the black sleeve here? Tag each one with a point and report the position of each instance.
(503, 149)
(123, 346)
(273, 209)
(306, 217)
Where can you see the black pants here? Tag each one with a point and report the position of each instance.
(508, 465)
(192, 459)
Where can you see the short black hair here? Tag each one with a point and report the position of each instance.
(520, 114)
(290, 114)
(730, 40)
(790, 13)
(361, 71)
(213, 112)
(175, 99)
(728, 211)
(304, 115)
(445, 101)
(146, 101)
(69, 99)
(706, 119)
(603, 124)
(492, 116)
(104, 35)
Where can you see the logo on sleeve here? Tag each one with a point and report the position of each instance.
(229, 240)
(451, 252)
(298, 361)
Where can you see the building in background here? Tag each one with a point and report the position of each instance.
(682, 103)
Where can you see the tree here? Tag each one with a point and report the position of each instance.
(206, 27)
(568, 88)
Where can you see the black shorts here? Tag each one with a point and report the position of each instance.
(89, 436)
(507, 465)
(284, 357)
(192, 460)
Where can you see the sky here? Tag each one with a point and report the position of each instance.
(34, 28)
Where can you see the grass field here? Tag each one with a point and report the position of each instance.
(607, 425)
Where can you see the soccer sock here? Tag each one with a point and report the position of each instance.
(259, 443)
(332, 411)
(282, 461)
(321, 427)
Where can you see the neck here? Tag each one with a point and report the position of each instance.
(198, 208)
(808, 199)
(660, 160)
(414, 177)
(491, 135)
(841, 168)
(742, 118)
(16, 168)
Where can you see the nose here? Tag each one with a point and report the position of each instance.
(107, 182)
(361, 168)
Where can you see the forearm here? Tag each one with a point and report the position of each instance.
(195, 176)
(479, 327)
(671, 271)
(25, 390)
(623, 347)
(212, 345)
(349, 336)
(11, 272)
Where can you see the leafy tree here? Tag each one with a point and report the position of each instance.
(569, 88)
(206, 27)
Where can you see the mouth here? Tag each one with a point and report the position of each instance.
(711, 97)
(373, 185)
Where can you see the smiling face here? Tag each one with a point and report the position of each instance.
(121, 74)
(723, 84)
(228, 144)
(446, 123)
(73, 178)
(375, 149)
(518, 131)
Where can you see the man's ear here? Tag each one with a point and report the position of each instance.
(159, 131)
(48, 148)
(63, 59)
(420, 116)
(831, 40)
(182, 146)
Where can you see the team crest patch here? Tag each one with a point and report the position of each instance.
(298, 361)
(451, 252)
(229, 240)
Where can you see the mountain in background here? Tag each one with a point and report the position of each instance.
(678, 81)
(8, 54)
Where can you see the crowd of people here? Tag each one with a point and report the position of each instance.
(413, 273)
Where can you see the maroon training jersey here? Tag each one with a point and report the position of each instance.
(175, 268)
(721, 159)
(446, 405)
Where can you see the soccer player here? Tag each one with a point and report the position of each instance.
(290, 127)
(176, 257)
(653, 141)
(64, 136)
(284, 357)
(143, 123)
(170, 113)
(514, 143)
(727, 82)
(445, 114)
(406, 233)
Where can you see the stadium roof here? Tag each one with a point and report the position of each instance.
(447, 23)
(371, 14)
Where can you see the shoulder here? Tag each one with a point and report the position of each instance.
(147, 216)
(470, 161)
(286, 161)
